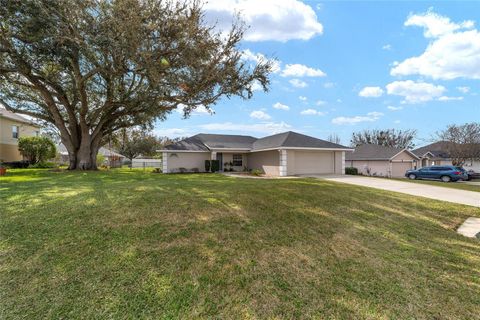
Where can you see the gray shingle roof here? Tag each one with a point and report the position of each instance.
(372, 152)
(293, 140)
(438, 149)
(205, 142)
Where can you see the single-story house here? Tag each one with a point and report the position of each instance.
(112, 158)
(375, 160)
(282, 154)
(437, 154)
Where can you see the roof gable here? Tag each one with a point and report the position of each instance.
(375, 152)
(4, 113)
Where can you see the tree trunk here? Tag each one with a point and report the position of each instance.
(85, 157)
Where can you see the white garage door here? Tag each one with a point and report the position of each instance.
(313, 162)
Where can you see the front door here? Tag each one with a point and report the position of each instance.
(220, 160)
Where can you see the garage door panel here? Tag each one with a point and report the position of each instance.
(399, 169)
(313, 162)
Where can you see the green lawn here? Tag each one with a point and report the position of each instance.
(453, 185)
(134, 245)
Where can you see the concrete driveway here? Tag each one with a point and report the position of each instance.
(469, 198)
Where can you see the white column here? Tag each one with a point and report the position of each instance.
(213, 156)
(343, 162)
(165, 162)
(283, 163)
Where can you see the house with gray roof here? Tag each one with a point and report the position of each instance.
(438, 153)
(375, 160)
(288, 153)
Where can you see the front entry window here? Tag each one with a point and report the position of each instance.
(237, 160)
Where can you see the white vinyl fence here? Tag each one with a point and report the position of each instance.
(146, 163)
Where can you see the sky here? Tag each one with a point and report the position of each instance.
(345, 66)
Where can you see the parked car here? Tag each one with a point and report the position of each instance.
(473, 175)
(443, 173)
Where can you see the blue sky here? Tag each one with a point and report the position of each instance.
(345, 66)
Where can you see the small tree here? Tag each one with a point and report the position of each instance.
(388, 138)
(461, 142)
(335, 138)
(134, 142)
(36, 149)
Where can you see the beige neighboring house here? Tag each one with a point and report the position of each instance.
(282, 154)
(12, 127)
(112, 158)
(436, 154)
(374, 160)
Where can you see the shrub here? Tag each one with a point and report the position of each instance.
(100, 160)
(207, 165)
(182, 170)
(215, 165)
(36, 149)
(256, 172)
(17, 164)
(195, 170)
(351, 170)
(42, 165)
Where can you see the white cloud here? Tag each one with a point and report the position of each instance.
(268, 19)
(397, 121)
(446, 98)
(201, 110)
(256, 86)
(312, 112)
(415, 92)
(280, 106)
(369, 117)
(371, 92)
(300, 70)
(320, 102)
(248, 55)
(264, 128)
(302, 98)
(259, 114)
(387, 47)
(297, 83)
(463, 89)
(392, 108)
(453, 51)
(171, 132)
(328, 85)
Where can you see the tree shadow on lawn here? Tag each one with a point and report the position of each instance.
(190, 246)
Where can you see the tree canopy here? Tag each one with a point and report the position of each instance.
(388, 138)
(462, 142)
(92, 67)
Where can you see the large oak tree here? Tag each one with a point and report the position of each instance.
(92, 67)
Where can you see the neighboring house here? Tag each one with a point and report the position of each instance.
(12, 127)
(283, 154)
(436, 154)
(112, 158)
(375, 160)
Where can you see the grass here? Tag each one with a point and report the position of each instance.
(453, 185)
(133, 245)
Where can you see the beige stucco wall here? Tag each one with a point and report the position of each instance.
(187, 160)
(379, 168)
(266, 161)
(8, 144)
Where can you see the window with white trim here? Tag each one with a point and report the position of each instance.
(237, 160)
(15, 132)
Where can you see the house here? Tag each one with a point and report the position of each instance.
(112, 158)
(282, 154)
(436, 154)
(370, 159)
(12, 127)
